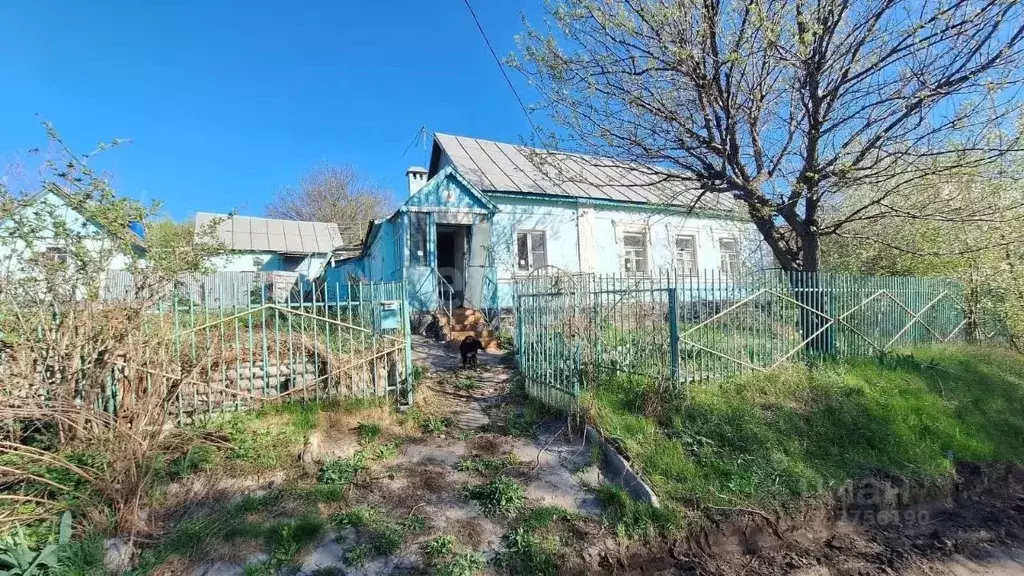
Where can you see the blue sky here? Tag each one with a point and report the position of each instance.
(227, 102)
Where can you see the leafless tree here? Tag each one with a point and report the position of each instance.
(333, 194)
(785, 104)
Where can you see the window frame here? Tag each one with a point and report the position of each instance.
(531, 264)
(726, 267)
(626, 251)
(693, 258)
(57, 254)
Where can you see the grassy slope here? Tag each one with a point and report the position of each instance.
(769, 438)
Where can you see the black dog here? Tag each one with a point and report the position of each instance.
(468, 349)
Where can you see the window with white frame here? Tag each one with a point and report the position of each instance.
(57, 254)
(531, 250)
(634, 252)
(730, 251)
(686, 255)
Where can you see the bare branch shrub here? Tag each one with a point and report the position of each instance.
(100, 370)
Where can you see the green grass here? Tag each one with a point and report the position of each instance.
(439, 548)
(291, 537)
(769, 438)
(342, 471)
(268, 438)
(283, 522)
(434, 424)
(635, 520)
(81, 558)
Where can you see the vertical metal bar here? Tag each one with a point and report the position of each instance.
(316, 343)
(673, 335)
(192, 340)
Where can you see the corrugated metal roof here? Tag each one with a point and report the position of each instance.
(271, 234)
(498, 167)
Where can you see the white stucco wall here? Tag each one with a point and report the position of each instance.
(558, 221)
(599, 238)
(44, 215)
(258, 261)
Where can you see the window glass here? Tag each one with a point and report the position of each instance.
(523, 251)
(729, 249)
(531, 250)
(418, 239)
(686, 255)
(634, 253)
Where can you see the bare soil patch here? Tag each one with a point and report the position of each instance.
(884, 525)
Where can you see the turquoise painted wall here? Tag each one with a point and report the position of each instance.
(445, 191)
(445, 198)
(381, 261)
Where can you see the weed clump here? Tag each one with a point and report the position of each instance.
(488, 466)
(502, 496)
(378, 534)
(466, 385)
(541, 543)
(368, 432)
(444, 557)
(342, 471)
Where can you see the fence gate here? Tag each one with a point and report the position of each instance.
(553, 314)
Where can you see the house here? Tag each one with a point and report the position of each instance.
(53, 226)
(484, 213)
(270, 245)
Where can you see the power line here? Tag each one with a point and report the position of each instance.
(502, 68)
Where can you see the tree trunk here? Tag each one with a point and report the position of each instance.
(813, 315)
(972, 313)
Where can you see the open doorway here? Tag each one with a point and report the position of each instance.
(452, 251)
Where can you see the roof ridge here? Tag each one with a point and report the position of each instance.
(617, 163)
(267, 218)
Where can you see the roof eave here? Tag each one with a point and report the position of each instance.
(674, 208)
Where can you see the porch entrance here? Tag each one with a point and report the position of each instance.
(452, 256)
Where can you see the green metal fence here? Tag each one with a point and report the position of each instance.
(248, 338)
(689, 328)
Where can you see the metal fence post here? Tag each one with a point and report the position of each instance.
(517, 306)
(673, 333)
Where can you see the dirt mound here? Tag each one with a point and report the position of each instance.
(880, 524)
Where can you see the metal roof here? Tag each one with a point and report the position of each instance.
(272, 234)
(498, 167)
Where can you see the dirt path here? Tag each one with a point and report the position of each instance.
(552, 462)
